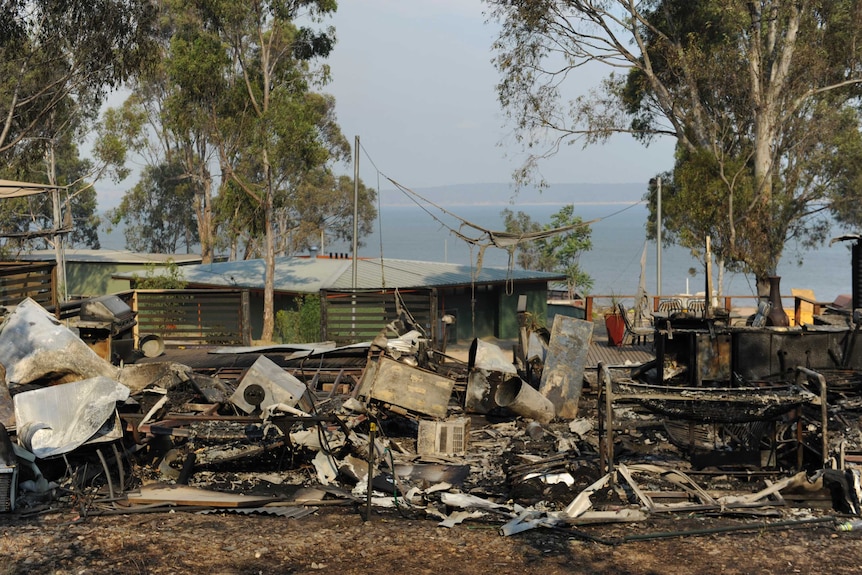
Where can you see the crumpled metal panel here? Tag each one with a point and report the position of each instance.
(563, 374)
(409, 387)
(488, 367)
(60, 418)
(490, 357)
(35, 346)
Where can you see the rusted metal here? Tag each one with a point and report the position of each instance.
(563, 373)
(813, 376)
(410, 388)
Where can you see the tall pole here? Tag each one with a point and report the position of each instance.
(355, 208)
(658, 238)
(59, 254)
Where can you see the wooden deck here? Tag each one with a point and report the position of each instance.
(623, 356)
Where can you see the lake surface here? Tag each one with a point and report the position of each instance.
(619, 236)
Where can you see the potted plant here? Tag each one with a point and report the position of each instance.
(614, 323)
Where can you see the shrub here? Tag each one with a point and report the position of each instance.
(299, 325)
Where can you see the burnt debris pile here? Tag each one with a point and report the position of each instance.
(724, 420)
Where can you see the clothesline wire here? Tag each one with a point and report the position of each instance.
(487, 237)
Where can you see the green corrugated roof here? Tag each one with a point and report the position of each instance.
(310, 275)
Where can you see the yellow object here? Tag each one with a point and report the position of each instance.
(805, 308)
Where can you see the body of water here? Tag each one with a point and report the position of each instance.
(614, 262)
(411, 233)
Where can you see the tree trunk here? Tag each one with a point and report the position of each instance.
(205, 222)
(269, 257)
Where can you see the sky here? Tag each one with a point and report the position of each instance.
(415, 81)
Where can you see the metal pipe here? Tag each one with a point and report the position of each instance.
(824, 408)
(372, 429)
(107, 473)
(355, 209)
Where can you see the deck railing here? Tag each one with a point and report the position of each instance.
(596, 304)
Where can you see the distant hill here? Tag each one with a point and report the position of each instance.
(501, 194)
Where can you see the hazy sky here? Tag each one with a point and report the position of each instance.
(415, 81)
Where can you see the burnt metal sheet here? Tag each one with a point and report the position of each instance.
(60, 418)
(293, 512)
(563, 374)
(760, 353)
(35, 346)
(488, 367)
(408, 387)
(266, 384)
(713, 357)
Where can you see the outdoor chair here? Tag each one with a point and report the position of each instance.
(634, 334)
(697, 306)
(670, 306)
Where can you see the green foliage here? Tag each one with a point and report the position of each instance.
(157, 212)
(560, 252)
(301, 324)
(55, 53)
(762, 99)
(156, 276)
(528, 254)
(34, 213)
(565, 249)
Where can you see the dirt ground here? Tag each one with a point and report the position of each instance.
(338, 540)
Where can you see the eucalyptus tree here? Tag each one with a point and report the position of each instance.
(270, 128)
(528, 255)
(318, 211)
(58, 61)
(54, 52)
(156, 211)
(25, 221)
(552, 250)
(760, 97)
(322, 209)
(565, 249)
(167, 120)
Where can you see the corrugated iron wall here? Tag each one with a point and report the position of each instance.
(194, 316)
(354, 316)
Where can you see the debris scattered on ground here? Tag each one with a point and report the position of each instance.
(534, 442)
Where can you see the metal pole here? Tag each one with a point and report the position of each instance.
(59, 254)
(355, 208)
(658, 238)
(372, 430)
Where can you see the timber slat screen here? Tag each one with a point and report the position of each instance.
(19, 281)
(354, 316)
(194, 317)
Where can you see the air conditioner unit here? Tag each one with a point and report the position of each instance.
(443, 437)
(8, 483)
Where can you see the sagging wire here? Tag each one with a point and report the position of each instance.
(403, 504)
(379, 214)
(487, 237)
